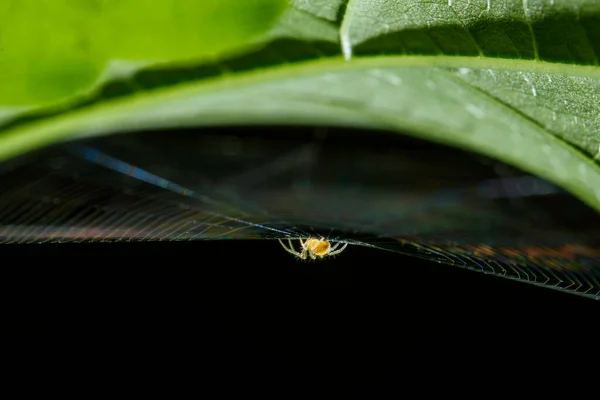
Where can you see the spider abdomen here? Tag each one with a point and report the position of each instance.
(318, 247)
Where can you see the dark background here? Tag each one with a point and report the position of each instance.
(245, 318)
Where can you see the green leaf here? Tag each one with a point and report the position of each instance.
(51, 50)
(517, 80)
(326, 9)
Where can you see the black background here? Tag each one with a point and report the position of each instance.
(221, 318)
(246, 318)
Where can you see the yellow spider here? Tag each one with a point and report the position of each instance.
(314, 248)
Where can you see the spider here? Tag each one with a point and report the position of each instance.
(314, 248)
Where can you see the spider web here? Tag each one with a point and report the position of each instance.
(370, 189)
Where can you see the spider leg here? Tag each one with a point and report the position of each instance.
(333, 253)
(291, 249)
(312, 255)
(303, 254)
(284, 246)
(335, 246)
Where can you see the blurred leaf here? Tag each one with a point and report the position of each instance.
(517, 80)
(53, 49)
